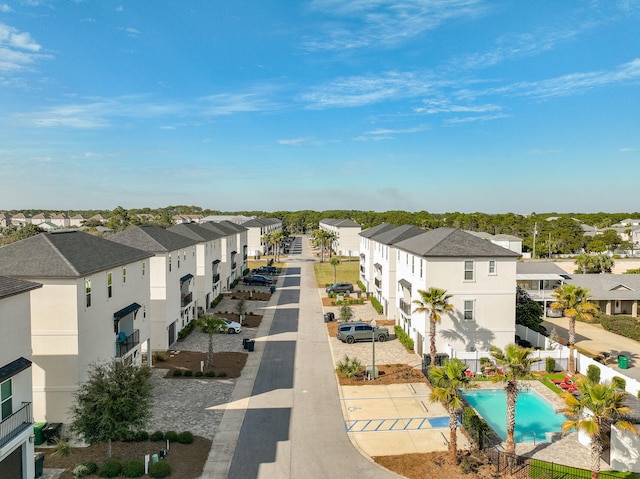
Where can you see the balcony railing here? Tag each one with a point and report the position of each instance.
(127, 344)
(15, 423)
(233, 265)
(216, 278)
(186, 299)
(405, 307)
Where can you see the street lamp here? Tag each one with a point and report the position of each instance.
(373, 342)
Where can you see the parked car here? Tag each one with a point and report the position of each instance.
(257, 279)
(232, 326)
(554, 313)
(265, 270)
(340, 288)
(361, 331)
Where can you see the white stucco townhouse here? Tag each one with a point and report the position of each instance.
(256, 229)
(93, 307)
(16, 388)
(480, 276)
(367, 245)
(208, 261)
(173, 270)
(231, 267)
(347, 233)
(241, 247)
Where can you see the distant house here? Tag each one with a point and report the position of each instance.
(100, 218)
(16, 387)
(506, 241)
(172, 273)
(5, 220)
(347, 235)
(20, 219)
(181, 219)
(40, 218)
(93, 307)
(60, 220)
(539, 279)
(76, 221)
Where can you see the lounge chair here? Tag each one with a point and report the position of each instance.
(567, 380)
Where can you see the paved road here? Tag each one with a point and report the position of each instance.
(289, 418)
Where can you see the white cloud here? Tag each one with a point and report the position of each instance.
(293, 141)
(4, 8)
(470, 119)
(18, 50)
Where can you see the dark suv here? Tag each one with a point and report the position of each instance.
(359, 331)
(264, 270)
(340, 288)
(257, 279)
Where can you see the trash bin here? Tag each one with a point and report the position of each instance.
(37, 432)
(244, 343)
(38, 458)
(623, 361)
(272, 288)
(329, 317)
(251, 344)
(52, 432)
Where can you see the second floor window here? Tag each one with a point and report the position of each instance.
(143, 269)
(6, 395)
(109, 285)
(87, 292)
(124, 275)
(468, 271)
(468, 309)
(169, 261)
(492, 266)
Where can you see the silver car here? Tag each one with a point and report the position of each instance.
(232, 326)
(361, 331)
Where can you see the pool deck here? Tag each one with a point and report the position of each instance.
(565, 449)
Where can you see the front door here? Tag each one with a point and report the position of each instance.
(172, 333)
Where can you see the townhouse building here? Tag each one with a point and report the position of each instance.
(93, 307)
(347, 235)
(172, 271)
(16, 388)
(208, 261)
(257, 228)
(232, 265)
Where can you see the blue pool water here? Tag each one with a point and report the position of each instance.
(533, 413)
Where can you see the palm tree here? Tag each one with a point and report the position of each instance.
(447, 382)
(211, 325)
(575, 302)
(277, 237)
(599, 406)
(516, 364)
(266, 240)
(335, 261)
(434, 302)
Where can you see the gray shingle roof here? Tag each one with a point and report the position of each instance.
(12, 286)
(64, 254)
(609, 286)
(195, 232)
(397, 234)
(153, 239)
(341, 223)
(218, 227)
(374, 230)
(233, 226)
(539, 267)
(453, 242)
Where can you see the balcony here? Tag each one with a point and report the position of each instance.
(186, 299)
(127, 343)
(233, 265)
(216, 278)
(378, 283)
(405, 307)
(15, 423)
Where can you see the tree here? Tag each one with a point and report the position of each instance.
(447, 381)
(114, 402)
(516, 364)
(241, 309)
(335, 261)
(433, 302)
(277, 237)
(346, 313)
(598, 406)
(119, 219)
(211, 325)
(528, 311)
(268, 242)
(574, 302)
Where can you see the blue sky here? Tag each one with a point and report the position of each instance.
(436, 105)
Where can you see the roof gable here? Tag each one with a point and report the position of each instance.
(453, 242)
(152, 239)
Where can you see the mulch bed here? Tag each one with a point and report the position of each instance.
(248, 295)
(387, 374)
(225, 365)
(250, 320)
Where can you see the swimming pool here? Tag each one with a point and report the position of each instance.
(533, 414)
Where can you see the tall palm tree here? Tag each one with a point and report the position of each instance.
(277, 237)
(211, 325)
(516, 364)
(575, 302)
(599, 406)
(447, 382)
(267, 241)
(335, 261)
(433, 302)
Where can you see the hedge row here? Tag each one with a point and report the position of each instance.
(623, 325)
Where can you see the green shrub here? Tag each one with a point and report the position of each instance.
(171, 436)
(133, 469)
(188, 374)
(349, 366)
(85, 469)
(222, 374)
(550, 365)
(376, 305)
(141, 436)
(157, 436)
(62, 448)
(593, 373)
(210, 374)
(177, 373)
(217, 300)
(404, 338)
(160, 469)
(476, 427)
(619, 383)
(158, 357)
(623, 325)
(199, 374)
(110, 468)
(185, 437)
(362, 287)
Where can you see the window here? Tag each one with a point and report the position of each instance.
(169, 261)
(492, 266)
(124, 275)
(87, 291)
(109, 284)
(421, 265)
(178, 259)
(413, 264)
(468, 309)
(143, 268)
(468, 271)
(6, 394)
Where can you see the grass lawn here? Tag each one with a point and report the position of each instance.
(558, 471)
(345, 271)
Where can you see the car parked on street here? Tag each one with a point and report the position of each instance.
(265, 270)
(361, 331)
(257, 279)
(232, 326)
(554, 313)
(340, 288)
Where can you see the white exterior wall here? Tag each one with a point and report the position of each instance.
(206, 253)
(15, 342)
(254, 241)
(68, 336)
(366, 263)
(493, 296)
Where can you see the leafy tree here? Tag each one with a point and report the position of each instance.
(119, 219)
(346, 312)
(528, 311)
(113, 403)
(598, 406)
(516, 364)
(575, 303)
(447, 382)
(211, 325)
(241, 309)
(335, 261)
(433, 302)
